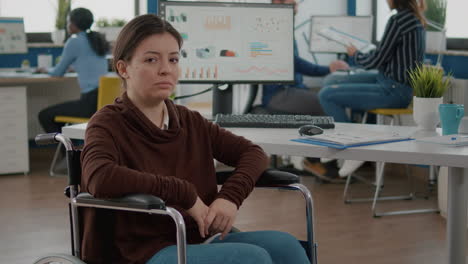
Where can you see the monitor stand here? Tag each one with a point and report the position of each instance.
(222, 99)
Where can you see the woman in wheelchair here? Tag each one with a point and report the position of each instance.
(144, 143)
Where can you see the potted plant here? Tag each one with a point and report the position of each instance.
(429, 85)
(63, 8)
(436, 15)
(110, 29)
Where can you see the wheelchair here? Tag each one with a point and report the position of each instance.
(150, 204)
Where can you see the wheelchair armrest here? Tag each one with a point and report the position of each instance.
(134, 201)
(269, 177)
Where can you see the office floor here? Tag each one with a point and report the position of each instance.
(34, 220)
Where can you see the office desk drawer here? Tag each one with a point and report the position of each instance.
(14, 155)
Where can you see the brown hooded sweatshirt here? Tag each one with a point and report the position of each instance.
(126, 153)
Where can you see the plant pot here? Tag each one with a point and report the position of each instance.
(58, 36)
(426, 112)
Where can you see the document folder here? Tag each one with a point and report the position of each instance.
(352, 138)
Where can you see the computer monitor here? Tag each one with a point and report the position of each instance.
(12, 36)
(233, 42)
(358, 28)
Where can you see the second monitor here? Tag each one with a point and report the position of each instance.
(233, 42)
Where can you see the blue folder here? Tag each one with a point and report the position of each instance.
(341, 146)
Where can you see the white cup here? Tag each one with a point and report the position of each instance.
(44, 61)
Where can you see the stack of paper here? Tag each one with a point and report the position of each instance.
(346, 39)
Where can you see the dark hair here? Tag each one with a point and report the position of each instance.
(416, 6)
(137, 30)
(82, 18)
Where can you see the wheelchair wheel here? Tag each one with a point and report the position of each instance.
(59, 259)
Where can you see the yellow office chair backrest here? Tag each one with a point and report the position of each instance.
(109, 89)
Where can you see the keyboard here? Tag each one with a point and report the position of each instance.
(273, 121)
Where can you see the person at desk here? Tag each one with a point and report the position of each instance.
(85, 50)
(401, 50)
(144, 143)
(297, 98)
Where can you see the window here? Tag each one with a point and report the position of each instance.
(39, 16)
(33, 15)
(382, 16)
(456, 13)
(109, 9)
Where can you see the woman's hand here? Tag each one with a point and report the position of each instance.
(338, 65)
(220, 218)
(41, 70)
(351, 49)
(199, 211)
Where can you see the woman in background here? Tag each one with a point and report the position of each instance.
(85, 50)
(401, 49)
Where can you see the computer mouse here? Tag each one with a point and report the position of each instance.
(310, 130)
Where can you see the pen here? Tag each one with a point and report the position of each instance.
(455, 138)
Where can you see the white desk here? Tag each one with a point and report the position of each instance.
(42, 90)
(11, 77)
(277, 141)
(22, 96)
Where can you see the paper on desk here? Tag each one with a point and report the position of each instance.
(352, 138)
(448, 140)
(346, 39)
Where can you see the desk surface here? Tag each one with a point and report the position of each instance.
(12, 77)
(449, 52)
(278, 141)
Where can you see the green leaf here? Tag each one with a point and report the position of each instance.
(429, 81)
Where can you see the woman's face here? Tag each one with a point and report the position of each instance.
(153, 71)
(72, 29)
(390, 4)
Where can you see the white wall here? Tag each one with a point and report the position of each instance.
(39, 16)
(143, 7)
(364, 7)
(456, 13)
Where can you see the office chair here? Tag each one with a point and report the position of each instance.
(109, 89)
(395, 119)
(145, 203)
(259, 109)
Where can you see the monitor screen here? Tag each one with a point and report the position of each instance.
(233, 42)
(12, 36)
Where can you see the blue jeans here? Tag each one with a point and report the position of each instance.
(361, 91)
(260, 247)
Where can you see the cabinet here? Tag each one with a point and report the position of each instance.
(14, 155)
